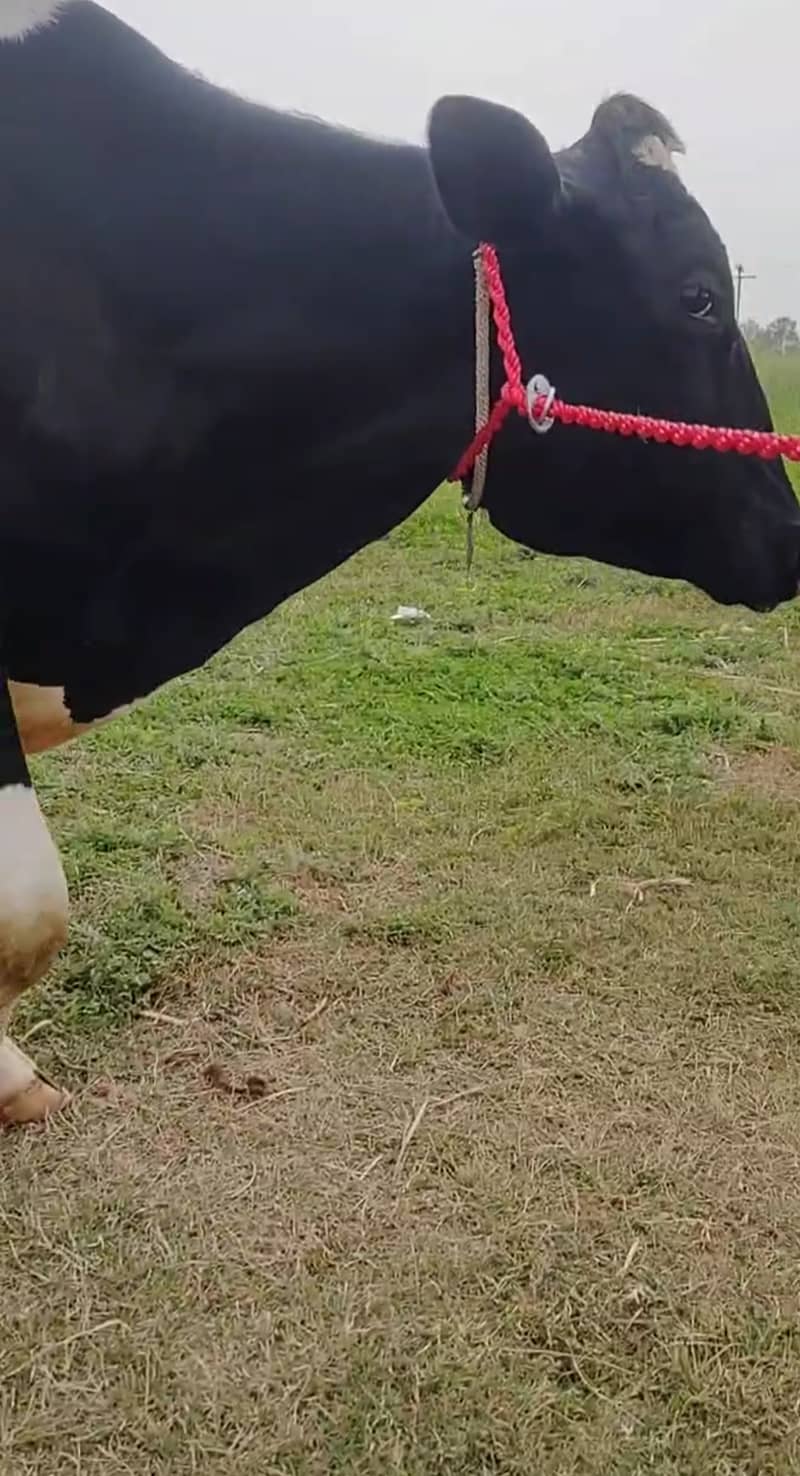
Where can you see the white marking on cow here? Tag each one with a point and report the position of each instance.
(34, 911)
(34, 906)
(656, 154)
(18, 18)
(44, 720)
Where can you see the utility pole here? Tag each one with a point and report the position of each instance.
(741, 276)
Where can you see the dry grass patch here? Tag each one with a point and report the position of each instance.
(433, 1011)
(582, 1258)
(775, 773)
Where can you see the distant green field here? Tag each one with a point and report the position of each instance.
(780, 376)
(433, 1006)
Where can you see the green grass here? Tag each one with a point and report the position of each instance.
(432, 1001)
(780, 376)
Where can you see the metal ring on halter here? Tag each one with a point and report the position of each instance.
(540, 388)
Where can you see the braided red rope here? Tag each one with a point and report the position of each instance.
(767, 445)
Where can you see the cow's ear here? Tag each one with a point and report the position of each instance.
(636, 133)
(495, 174)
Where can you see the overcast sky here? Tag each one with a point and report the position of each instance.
(727, 72)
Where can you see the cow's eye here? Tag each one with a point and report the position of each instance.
(698, 301)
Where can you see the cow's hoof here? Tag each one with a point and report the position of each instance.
(25, 1095)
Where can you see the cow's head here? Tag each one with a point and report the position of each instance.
(621, 292)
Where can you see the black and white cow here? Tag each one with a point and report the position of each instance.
(236, 346)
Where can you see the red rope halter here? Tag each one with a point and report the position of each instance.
(542, 409)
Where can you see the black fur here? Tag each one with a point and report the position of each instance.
(236, 346)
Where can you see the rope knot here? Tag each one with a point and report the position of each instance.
(513, 395)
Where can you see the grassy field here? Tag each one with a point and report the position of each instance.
(433, 1003)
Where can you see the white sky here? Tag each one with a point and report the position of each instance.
(727, 73)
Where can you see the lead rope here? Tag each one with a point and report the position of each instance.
(483, 306)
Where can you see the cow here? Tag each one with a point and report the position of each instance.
(236, 345)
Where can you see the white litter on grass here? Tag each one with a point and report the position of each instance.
(410, 615)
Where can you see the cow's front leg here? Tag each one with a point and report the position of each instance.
(33, 919)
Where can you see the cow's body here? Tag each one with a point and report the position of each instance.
(168, 438)
(236, 346)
